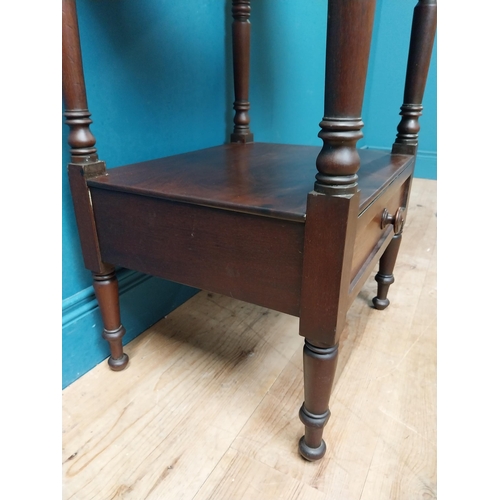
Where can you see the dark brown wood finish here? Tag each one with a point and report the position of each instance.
(394, 218)
(332, 212)
(84, 161)
(263, 179)
(106, 292)
(77, 115)
(319, 366)
(330, 232)
(170, 196)
(348, 39)
(256, 259)
(78, 174)
(372, 237)
(419, 58)
(241, 70)
(84, 165)
(384, 277)
(241, 219)
(369, 223)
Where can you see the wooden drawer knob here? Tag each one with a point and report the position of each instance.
(397, 220)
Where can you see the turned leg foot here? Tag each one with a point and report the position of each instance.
(319, 371)
(106, 291)
(384, 277)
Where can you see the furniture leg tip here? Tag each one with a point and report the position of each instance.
(311, 454)
(119, 364)
(380, 304)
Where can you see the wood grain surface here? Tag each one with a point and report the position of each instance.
(258, 178)
(207, 408)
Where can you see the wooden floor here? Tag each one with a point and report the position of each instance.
(208, 408)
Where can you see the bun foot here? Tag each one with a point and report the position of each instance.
(119, 364)
(380, 304)
(311, 454)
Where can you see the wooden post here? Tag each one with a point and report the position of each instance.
(241, 71)
(329, 239)
(84, 161)
(106, 291)
(332, 211)
(349, 33)
(84, 165)
(419, 58)
(319, 372)
(77, 114)
(384, 277)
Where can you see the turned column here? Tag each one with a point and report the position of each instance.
(349, 33)
(241, 71)
(106, 292)
(81, 140)
(319, 372)
(384, 277)
(85, 164)
(419, 58)
(332, 211)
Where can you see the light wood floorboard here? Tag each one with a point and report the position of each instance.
(208, 408)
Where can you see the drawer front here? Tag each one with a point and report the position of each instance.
(370, 235)
(251, 258)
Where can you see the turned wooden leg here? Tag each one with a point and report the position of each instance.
(384, 277)
(319, 370)
(106, 291)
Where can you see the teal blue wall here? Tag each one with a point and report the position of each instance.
(158, 83)
(153, 72)
(288, 76)
(384, 90)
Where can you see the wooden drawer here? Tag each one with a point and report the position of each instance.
(244, 256)
(371, 238)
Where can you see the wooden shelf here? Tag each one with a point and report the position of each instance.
(259, 178)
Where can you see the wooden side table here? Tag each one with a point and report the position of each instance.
(293, 228)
